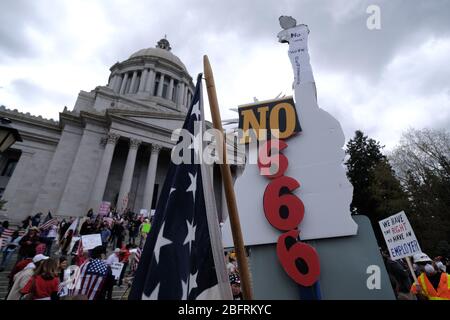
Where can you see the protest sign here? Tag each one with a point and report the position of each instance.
(144, 213)
(104, 208)
(116, 269)
(91, 241)
(399, 236)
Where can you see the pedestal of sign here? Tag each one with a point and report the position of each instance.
(344, 265)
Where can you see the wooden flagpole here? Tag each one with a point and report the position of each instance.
(228, 184)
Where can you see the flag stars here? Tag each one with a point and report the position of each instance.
(153, 295)
(161, 242)
(192, 281)
(184, 286)
(196, 143)
(190, 237)
(193, 186)
(196, 110)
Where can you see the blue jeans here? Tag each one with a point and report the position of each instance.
(7, 254)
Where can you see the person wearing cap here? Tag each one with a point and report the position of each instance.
(113, 257)
(235, 283)
(44, 284)
(433, 284)
(21, 278)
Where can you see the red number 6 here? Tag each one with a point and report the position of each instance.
(276, 204)
(299, 250)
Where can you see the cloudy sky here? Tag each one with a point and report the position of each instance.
(380, 81)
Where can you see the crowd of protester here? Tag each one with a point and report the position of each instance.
(72, 273)
(50, 261)
(431, 274)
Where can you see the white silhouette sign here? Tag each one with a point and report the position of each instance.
(315, 160)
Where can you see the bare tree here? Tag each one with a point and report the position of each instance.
(421, 152)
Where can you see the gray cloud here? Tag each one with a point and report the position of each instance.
(19, 18)
(383, 69)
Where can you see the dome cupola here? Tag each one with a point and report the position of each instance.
(153, 75)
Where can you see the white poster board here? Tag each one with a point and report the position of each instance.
(144, 213)
(325, 190)
(399, 236)
(91, 241)
(116, 269)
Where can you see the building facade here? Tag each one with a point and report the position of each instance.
(113, 146)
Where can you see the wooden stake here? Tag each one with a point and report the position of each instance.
(408, 261)
(228, 184)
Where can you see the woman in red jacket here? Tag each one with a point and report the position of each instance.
(44, 284)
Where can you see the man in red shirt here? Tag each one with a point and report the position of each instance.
(124, 256)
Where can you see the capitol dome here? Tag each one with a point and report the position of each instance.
(153, 75)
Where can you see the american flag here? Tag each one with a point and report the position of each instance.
(178, 261)
(89, 279)
(6, 234)
(46, 225)
(137, 258)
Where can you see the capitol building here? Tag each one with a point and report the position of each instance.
(114, 145)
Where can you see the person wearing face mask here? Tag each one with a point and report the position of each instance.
(433, 284)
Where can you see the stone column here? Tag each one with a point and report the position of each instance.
(180, 95)
(118, 83)
(170, 91)
(186, 93)
(127, 177)
(103, 171)
(150, 81)
(124, 83)
(143, 79)
(133, 82)
(160, 86)
(151, 175)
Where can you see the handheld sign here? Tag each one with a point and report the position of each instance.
(116, 269)
(104, 208)
(399, 236)
(144, 213)
(91, 241)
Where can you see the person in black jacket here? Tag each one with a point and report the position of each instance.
(28, 244)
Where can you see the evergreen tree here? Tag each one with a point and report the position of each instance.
(376, 191)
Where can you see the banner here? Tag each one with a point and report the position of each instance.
(399, 236)
(91, 241)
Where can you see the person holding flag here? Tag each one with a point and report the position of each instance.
(89, 281)
(182, 258)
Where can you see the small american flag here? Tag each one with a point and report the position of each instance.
(46, 225)
(137, 257)
(7, 233)
(89, 279)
